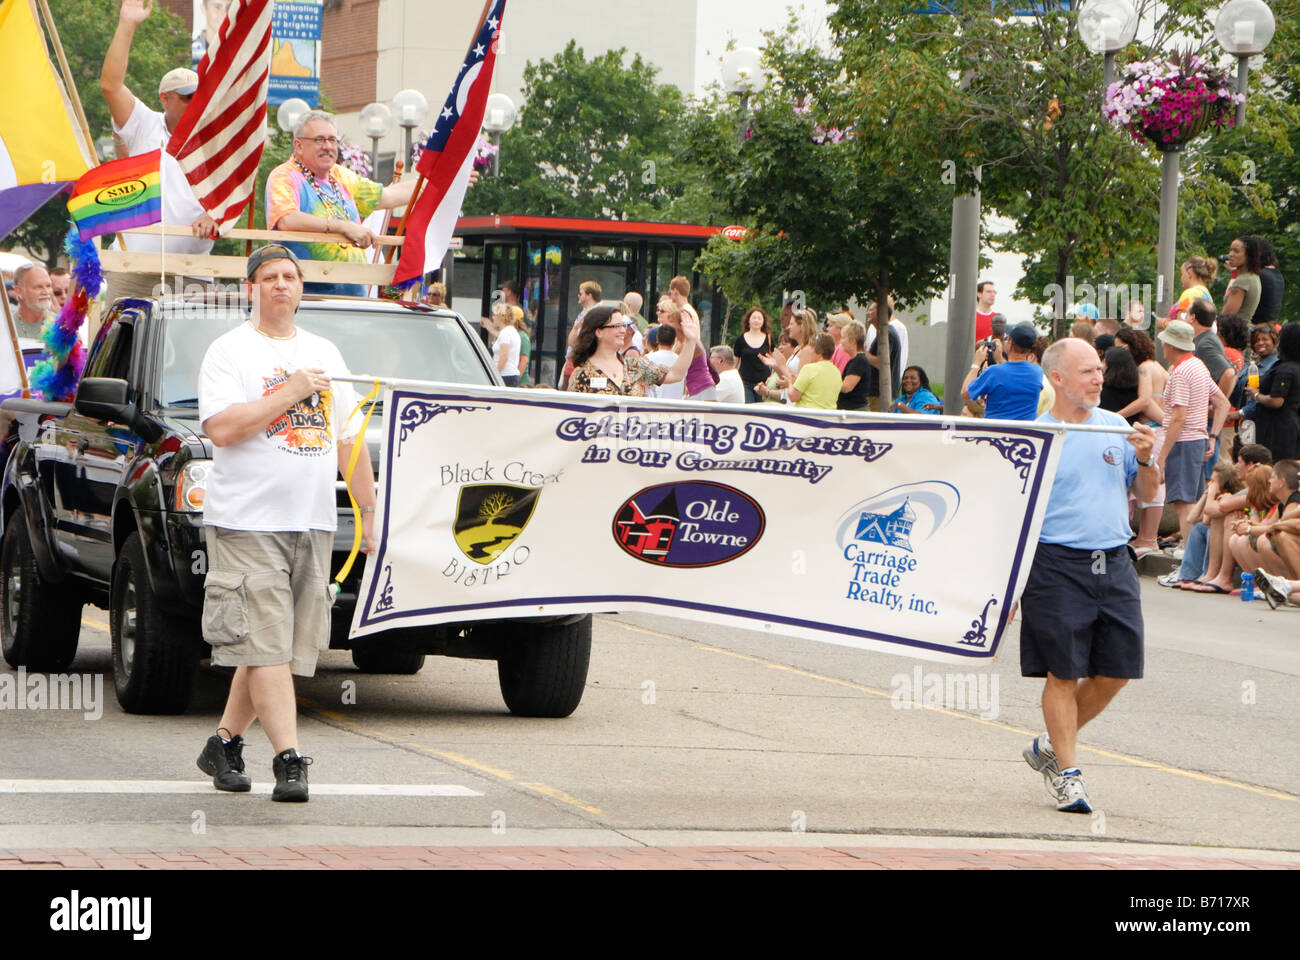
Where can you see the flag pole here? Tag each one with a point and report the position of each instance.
(13, 340)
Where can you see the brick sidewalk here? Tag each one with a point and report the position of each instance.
(612, 858)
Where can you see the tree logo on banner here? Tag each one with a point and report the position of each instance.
(489, 516)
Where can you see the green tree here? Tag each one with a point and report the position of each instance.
(595, 137)
(839, 182)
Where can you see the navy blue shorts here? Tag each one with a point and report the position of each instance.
(1081, 615)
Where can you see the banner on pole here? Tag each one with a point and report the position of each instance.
(909, 536)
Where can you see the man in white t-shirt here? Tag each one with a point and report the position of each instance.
(282, 435)
(143, 130)
(665, 356)
(730, 387)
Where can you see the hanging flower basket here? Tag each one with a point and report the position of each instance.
(1168, 104)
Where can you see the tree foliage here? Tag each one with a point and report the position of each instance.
(595, 137)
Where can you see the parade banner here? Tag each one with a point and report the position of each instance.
(911, 535)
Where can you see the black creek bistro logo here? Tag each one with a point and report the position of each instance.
(121, 193)
(688, 524)
(489, 516)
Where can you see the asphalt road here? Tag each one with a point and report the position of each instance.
(688, 727)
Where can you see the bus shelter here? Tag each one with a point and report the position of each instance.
(550, 256)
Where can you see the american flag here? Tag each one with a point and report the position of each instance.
(218, 142)
(448, 155)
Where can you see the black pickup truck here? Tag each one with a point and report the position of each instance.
(103, 504)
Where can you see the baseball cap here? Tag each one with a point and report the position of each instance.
(1088, 310)
(272, 251)
(1023, 335)
(180, 80)
(1178, 334)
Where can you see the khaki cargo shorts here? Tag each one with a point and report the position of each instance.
(265, 599)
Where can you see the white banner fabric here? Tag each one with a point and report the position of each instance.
(901, 534)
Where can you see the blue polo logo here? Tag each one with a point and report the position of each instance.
(688, 524)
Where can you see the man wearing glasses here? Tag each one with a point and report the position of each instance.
(143, 130)
(312, 191)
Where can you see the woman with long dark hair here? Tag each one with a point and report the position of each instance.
(754, 341)
(1119, 385)
(1242, 296)
(597, 367)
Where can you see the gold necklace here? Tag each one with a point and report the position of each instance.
(288, 363)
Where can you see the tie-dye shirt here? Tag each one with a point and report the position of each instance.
(292, 189)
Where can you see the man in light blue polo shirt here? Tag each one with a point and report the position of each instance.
(1010, 390)
(1081, 624)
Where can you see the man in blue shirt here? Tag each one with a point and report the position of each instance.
(1011, 388)
(1081, 624)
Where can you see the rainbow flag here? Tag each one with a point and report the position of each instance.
(118, 195)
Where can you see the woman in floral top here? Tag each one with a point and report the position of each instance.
(598, 369)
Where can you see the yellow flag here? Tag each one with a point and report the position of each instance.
(42, 148)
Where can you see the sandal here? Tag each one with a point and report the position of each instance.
(1198, 586)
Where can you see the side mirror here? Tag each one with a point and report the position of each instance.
(103, 398)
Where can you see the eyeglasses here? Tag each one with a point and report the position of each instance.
(323, 141)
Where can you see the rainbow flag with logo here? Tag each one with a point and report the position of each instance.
(118, 195)
(42, 149)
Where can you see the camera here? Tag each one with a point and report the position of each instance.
(1223, 258)
(990, 351)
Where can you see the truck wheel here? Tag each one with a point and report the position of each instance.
(42, 622)
(542, 667)
(155, 656)
(379, 655)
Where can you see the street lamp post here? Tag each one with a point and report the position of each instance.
(290, 112)
(376, 121)
(412, 109)
(1243, 28)
(499, 115)
(742, 76)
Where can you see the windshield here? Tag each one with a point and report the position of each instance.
(402, 345)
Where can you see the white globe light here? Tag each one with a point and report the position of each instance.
(1107, 26)
(1244, 27)
(290, 112)
(500, 114)
(742, 71)
(376, 120)
(411, 108)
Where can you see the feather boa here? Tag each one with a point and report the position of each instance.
(56, 376)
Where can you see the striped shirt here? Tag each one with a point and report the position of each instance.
(1190, 386)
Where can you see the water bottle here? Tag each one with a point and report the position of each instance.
(1247, 587)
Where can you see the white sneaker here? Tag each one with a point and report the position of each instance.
(1071, 795)
(1169, 580)
(1276, 590)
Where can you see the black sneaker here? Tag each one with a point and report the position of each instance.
(290, 769)
(224, 763)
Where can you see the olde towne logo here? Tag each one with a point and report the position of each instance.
(688, 524)
(54, 691)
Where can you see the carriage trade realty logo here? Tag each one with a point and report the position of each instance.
(688, 524)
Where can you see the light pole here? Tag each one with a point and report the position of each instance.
(1107, 27)
(412, 109)
(742, 76)
(1244, 28)
(376, 121)
(499, 116)
(290, 112)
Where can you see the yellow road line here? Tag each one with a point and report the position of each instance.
(457, 758)
(771, 665)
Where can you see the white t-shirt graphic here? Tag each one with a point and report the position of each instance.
(282, 477)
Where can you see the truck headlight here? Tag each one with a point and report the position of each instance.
(191, 486)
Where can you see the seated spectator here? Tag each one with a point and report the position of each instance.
(1260, 507)
(731, 389)
(1272, 544)
(916, 396)
(1206, 553)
